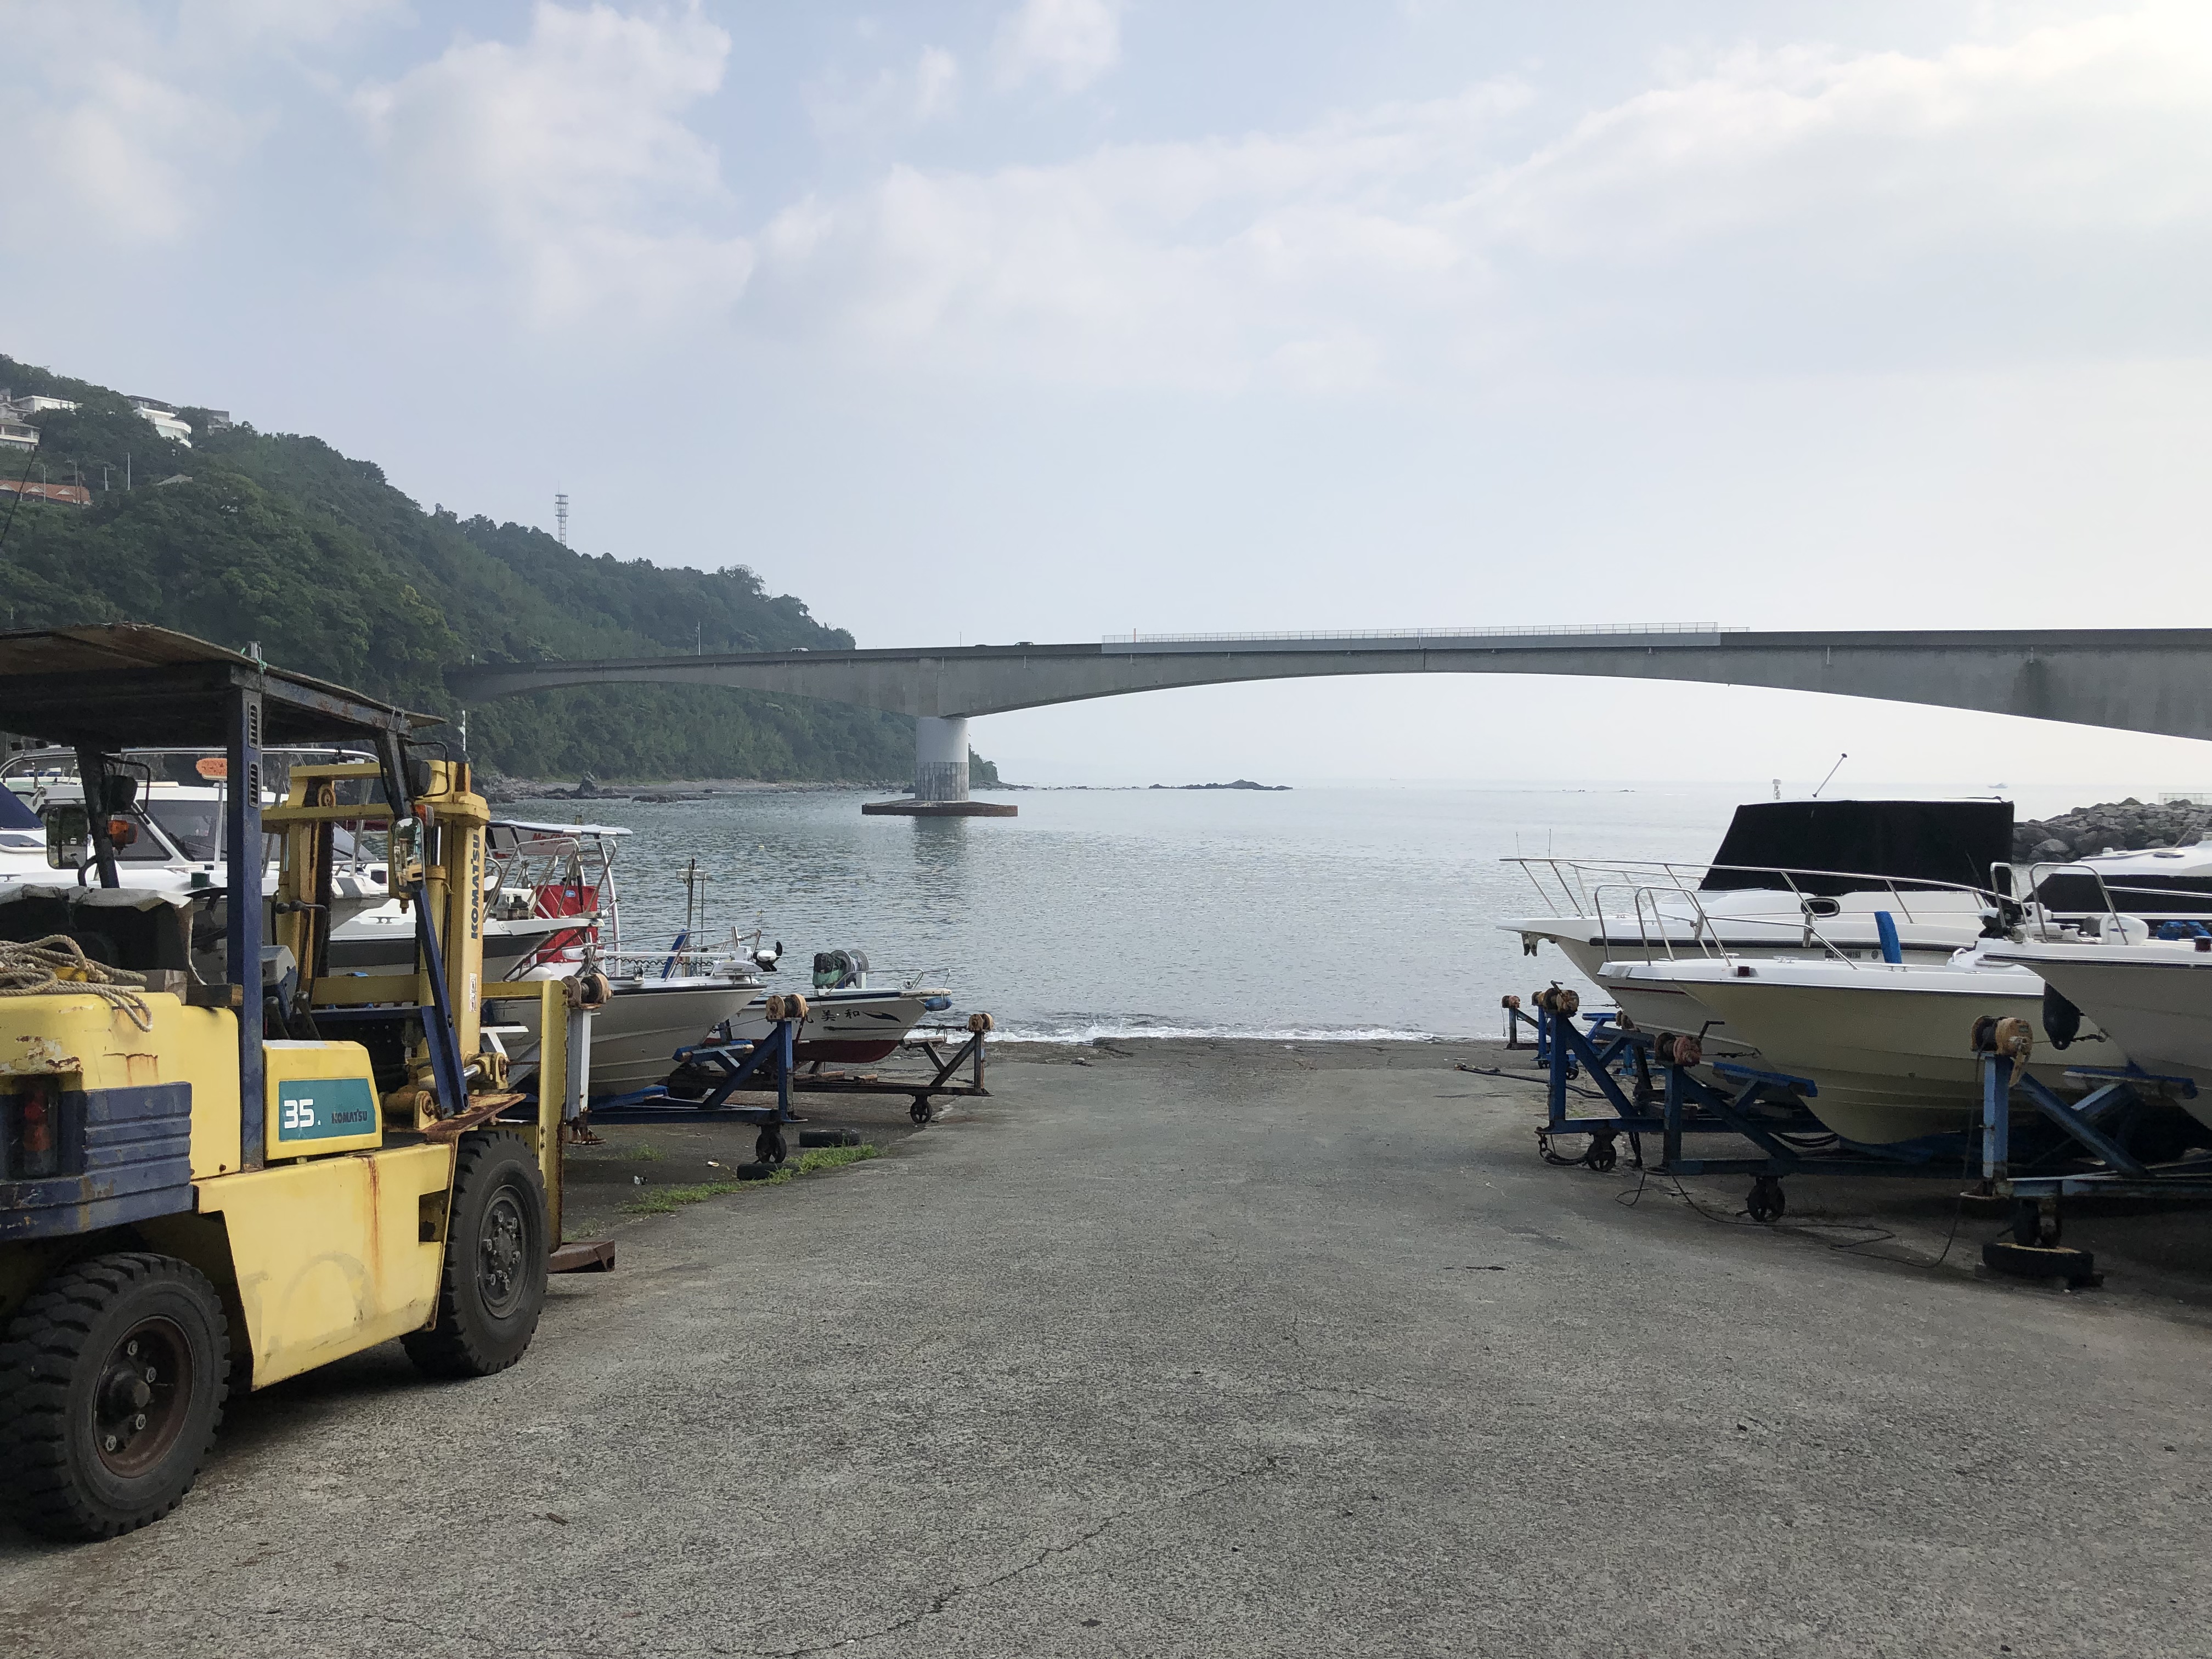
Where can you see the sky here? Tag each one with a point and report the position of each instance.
(1042, 319)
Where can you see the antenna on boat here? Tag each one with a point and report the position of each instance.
(1832, 770)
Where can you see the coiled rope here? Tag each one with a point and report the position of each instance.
(58, 964)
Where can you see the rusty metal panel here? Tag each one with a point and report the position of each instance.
(330, 1255)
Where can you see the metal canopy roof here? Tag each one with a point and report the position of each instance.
(129, 684)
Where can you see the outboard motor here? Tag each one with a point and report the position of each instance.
(838, 971)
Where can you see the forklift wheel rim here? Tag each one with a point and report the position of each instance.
(501, 1243)
(124, 1398)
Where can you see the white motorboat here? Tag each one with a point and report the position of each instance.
(852, 1025)
(172, 842)
(1890, 1044)
(2153, 996)
(1790, 877)
(1849, 879)
(689, 993)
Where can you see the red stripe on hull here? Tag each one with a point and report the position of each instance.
(845, 1053)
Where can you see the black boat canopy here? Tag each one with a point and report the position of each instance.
(1951, 841)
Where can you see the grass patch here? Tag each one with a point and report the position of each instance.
(646, 1150)
(666, 1201)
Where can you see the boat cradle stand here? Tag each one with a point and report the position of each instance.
(1668, 1099)
(2037, 1221)
(769, 1064)
(1541, 1021)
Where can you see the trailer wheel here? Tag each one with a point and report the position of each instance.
(769, 1147)
(493, 1286)
(112, 1377)
(921, 1111)
(1767, 1202)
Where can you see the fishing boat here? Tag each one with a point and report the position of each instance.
(697, 989)
(2153, 996)
(1889, 1043)
(1850, 880)
(171, 841)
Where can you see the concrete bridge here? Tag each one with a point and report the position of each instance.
(2135, 679)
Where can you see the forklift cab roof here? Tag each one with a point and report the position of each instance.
(126, 684)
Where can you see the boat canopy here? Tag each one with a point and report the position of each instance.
(526, 825)
(1942, 840)
(16, 812)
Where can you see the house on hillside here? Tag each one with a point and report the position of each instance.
(30, 404)
(164, 420)
(69, 494)
(16, 435)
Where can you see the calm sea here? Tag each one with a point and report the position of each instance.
(1317, 913)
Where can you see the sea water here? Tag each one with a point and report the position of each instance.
(1310, 914)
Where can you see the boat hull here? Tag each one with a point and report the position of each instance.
(635, 1036)
(845, 1027)
(1889, 1046)
(1674, 1005)
(2153, 1000)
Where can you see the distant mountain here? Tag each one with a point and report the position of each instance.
(278, 538)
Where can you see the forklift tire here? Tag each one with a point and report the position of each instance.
(493, 1286)
(112, 1377)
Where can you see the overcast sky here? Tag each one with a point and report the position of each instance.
(1043, 318)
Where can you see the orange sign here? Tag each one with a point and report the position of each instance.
(212, 766)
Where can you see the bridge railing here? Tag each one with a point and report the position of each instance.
(1522, 631)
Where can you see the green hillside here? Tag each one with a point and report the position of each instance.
(279, 539)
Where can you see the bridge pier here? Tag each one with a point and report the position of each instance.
(940, 757)
(940, 775)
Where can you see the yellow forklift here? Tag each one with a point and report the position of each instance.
(220, 1164)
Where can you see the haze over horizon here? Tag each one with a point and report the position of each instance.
(1046, 319)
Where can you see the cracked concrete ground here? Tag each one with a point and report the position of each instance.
(1218, 1350)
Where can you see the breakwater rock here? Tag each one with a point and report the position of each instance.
(2123, 826)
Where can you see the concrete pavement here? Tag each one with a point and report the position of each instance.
(1213, 1351)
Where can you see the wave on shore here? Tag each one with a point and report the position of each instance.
(1075, 1030)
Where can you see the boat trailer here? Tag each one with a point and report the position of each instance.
(1648, 1083)
(1650, 1080)
(738, 1068)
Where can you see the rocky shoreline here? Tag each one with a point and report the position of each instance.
(2129, 825)
(501, 790)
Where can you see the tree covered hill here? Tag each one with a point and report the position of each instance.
(278, 538)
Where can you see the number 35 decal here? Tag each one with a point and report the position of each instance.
(299, 1115)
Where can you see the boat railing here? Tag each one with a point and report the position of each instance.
(1664, 928)
(670, 961)
(1661, 933)
(1582, 882)
(2049, 921)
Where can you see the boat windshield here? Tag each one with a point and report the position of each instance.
(195, 826)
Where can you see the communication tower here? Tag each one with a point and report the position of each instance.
(561, 516)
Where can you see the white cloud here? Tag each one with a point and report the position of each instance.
(1069, 43)
(2050, 194)
(263, 22)
(570, 152)
(140, 116)
(890, 100)
(935, 82)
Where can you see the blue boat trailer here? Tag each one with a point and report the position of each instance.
(1650, 1083)
(736, 1066)
(2112, 1170)
(1541, 1021)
